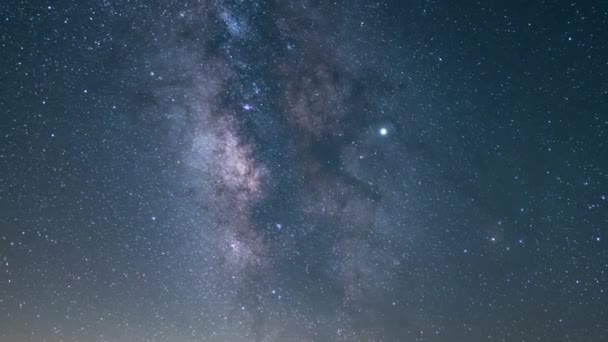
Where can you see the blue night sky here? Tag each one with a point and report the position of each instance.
(303, 171)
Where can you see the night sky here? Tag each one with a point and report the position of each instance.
(303, 170)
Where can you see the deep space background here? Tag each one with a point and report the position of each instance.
(303, 170)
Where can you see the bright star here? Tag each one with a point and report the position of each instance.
(383, 131)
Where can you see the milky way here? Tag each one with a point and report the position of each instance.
(265, 153)
(279, 171)
(263, 112)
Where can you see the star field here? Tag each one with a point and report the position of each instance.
(279, 171)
